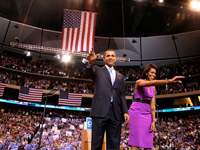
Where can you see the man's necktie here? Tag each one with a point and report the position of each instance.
(112, 75)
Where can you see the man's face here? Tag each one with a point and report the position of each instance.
(110, 58)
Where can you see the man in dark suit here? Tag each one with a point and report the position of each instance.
(109, 108)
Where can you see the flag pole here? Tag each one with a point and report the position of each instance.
(43, 115)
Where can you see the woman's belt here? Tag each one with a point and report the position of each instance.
(141, 100)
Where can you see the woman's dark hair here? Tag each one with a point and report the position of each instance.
(147, 68)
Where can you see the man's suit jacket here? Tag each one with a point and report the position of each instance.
(104, 90)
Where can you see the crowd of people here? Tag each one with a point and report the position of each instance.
(47, 67)
(44, 83)
(60, 133)
(17, 128)
(70, 71)
(182, 133)
(86, 87)
(174, 134)
(57, 68)
(20, 129)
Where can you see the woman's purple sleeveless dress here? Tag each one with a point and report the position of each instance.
(141, 119)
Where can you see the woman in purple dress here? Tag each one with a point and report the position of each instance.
(142, 110)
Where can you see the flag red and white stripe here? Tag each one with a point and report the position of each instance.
(2, 87)
(70, 99)
(78, 31)
(30, 94)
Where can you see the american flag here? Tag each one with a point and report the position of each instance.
(2, 87)
(78, 30)
(70, 99)
(30, 94)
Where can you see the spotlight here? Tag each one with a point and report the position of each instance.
(161, 1)
(28, 53)
(66, 58)
(195, 5)
(57, 56)
(85, 61)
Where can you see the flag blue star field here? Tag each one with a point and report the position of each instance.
(78, 31)
(70, 99)
(2, 87)
(30, 94)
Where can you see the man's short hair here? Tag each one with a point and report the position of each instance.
(108, 50)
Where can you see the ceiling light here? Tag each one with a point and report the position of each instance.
(195, 5)
(57, 56)
(66, 58)
(28, 53)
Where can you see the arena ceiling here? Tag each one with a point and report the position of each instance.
(141, 17)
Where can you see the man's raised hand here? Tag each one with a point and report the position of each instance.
(92, 56)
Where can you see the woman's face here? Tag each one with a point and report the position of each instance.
(151, 74)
